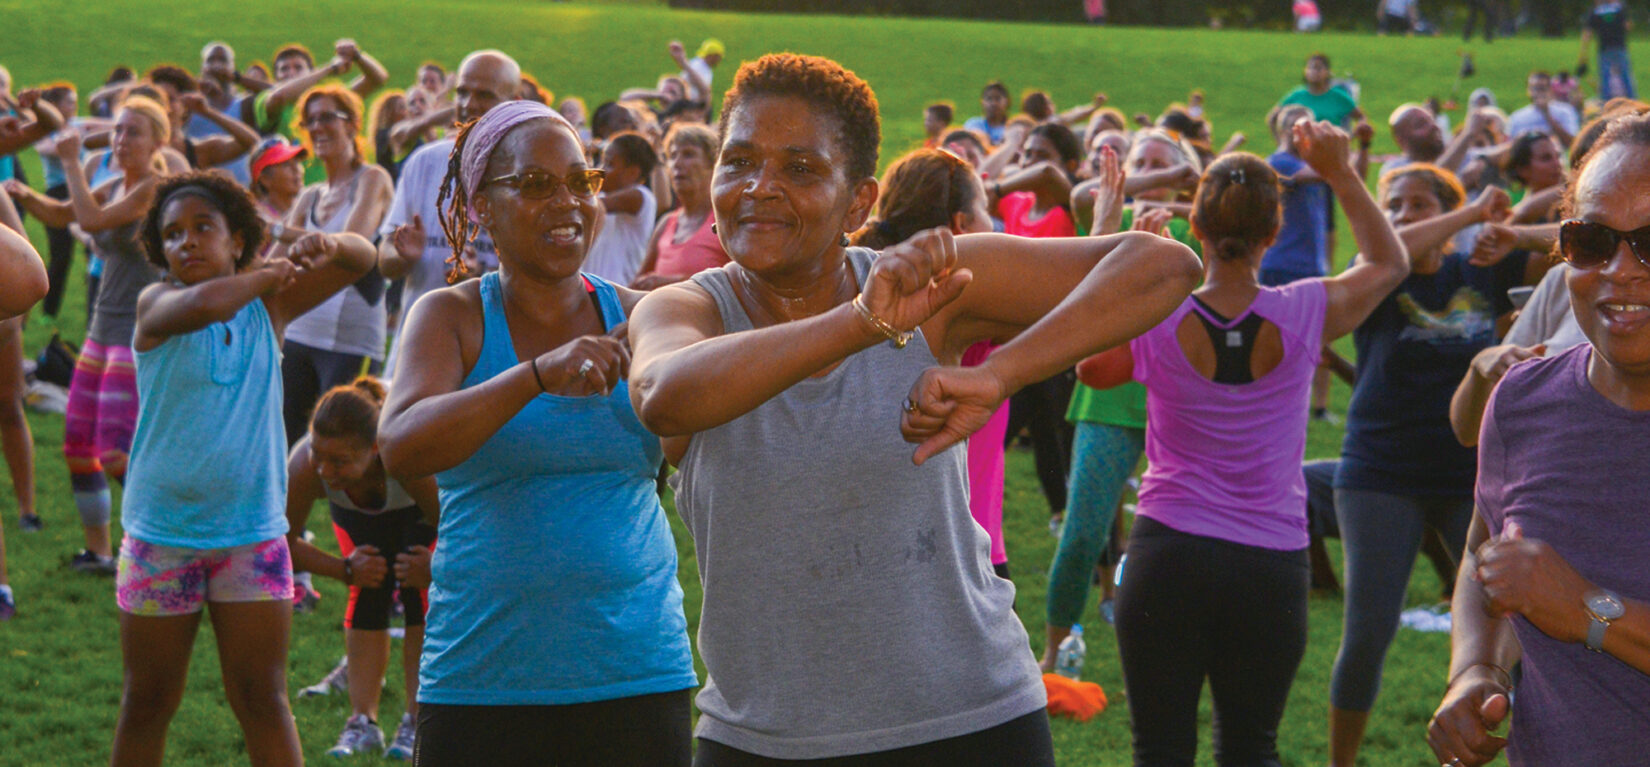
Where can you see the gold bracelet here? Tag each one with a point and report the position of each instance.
(899, 337)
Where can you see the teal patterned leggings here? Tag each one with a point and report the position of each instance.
(1102, 458)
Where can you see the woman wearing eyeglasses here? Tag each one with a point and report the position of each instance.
(555, 615)
(329, 345)
(1401, 470)
(1559, 537)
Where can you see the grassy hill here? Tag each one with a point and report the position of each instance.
(59, 660)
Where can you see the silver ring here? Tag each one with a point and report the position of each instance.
(909, 406)
(588, 366)
(1456, 762)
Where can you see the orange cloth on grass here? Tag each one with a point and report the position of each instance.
(1078, 700)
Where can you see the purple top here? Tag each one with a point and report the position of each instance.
(1224, 460)
(1568, 465)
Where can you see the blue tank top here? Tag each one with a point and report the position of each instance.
(208, 466)
(555, 581)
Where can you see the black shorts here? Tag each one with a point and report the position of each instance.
(391, 532)
(643, 731)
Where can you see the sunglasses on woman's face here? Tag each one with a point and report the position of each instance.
(540, 185)
(1586, 245)
(323, 118)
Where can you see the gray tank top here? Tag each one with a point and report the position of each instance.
(126, 272)
(352, 320)
(849, 602)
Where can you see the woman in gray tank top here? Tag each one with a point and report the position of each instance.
(329, 345)
(850, 611)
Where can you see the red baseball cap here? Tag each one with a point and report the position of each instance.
(274, 151)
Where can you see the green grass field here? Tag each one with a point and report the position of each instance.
(60, 660)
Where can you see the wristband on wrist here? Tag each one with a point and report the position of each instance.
(349, 573)
(535, 364)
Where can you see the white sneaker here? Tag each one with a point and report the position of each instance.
(43, 397)
(401, 747)
(336, 680)
(359, 736)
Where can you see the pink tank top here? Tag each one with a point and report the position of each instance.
(701, 251)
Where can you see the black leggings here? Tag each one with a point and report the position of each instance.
(1042, 408)
(60, 252)
(306, 374)
(1022, 742)
(642, 731)
(1191, 608)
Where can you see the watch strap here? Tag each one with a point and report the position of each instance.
(1595, 632)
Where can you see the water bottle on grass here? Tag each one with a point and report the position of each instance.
(1069, 662)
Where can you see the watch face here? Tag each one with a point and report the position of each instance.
(1606, 605)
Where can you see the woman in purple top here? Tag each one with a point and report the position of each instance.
(1216, 582)
(1559, 537)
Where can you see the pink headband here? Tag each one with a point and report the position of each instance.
(490, 129)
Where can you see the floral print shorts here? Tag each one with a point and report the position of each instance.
(155, 580)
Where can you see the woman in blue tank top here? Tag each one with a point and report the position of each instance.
(555, 614)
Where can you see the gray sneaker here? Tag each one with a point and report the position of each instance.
(401, 747)
(88, 562)
(336, 680)
(360, 735)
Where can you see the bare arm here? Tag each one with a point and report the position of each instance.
(51, 212)
(281, 95)
(1426, 236)
(334, 261)
(22, 274)
(165, 309)
(44, 121)
(217, 150)
(1482, 651)
(996, 163)
(373, 75)
(627, 201)
(92, 214)
(1051, 185)
(1382, 263)
(1535, 207)
(406, 131)
(1466, 407)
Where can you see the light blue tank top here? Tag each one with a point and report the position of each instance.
(555, 581)
(208, 467)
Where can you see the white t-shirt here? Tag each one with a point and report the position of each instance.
(1527, 120)
(617, 254)
(702, 69)
(1548, 318)
(416, 193)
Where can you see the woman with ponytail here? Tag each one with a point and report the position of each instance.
(1216, 582)
(386, 530)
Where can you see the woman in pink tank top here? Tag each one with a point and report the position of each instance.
(685, 241)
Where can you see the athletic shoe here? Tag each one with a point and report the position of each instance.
(359, 736)
(31, 523)
(8, 608)
(1322, 415)
(304, 598)
(401, 747)
(336, 679)
(88, 562)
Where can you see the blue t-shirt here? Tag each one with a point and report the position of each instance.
(1302, 246)
(208, 466)
(1412, 352)
(555, 581)
(199, 127)
(993, 132)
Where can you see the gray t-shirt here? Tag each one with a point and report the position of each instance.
(849, 601)
(1547, 318)
(126, 272)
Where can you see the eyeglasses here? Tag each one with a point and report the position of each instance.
(539, 185)
(323, 118)
(1586, 245)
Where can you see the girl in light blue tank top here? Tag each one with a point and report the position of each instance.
(555, 633)
(205, 494)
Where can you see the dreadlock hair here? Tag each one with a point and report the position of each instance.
(454, 204)
(922, 190)
(350, 410)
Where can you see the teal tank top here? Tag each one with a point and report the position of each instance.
(555, 581)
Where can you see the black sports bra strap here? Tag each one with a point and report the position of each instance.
(1234, 344)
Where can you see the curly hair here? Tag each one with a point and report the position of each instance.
(173, 75)
(823, 83)
(350, 410)
(1445, 186)
(346, 100)
(921, 190)
(1238, 206)
(225, 194)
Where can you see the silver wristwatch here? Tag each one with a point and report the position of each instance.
(1603, 607)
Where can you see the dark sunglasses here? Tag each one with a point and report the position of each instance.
(1586, 245)
(539, 185)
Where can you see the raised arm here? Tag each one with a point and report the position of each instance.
(373, 75)
(165, 309)
(51, 212)
(406, 131)
(997, 163)
(1382, 263)
(92, 214)
(44, 121)
(282, 95)
(217, 150)
(330, 262)
(1426, 236)
(1051, 184)
(22, 275)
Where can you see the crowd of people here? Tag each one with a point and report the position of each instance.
(480, 323)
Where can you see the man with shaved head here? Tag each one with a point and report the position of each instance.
(1417, 135)
(413, 245)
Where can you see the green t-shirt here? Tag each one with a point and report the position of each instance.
(314, 171)
(1123, 405)
(1334, 105)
